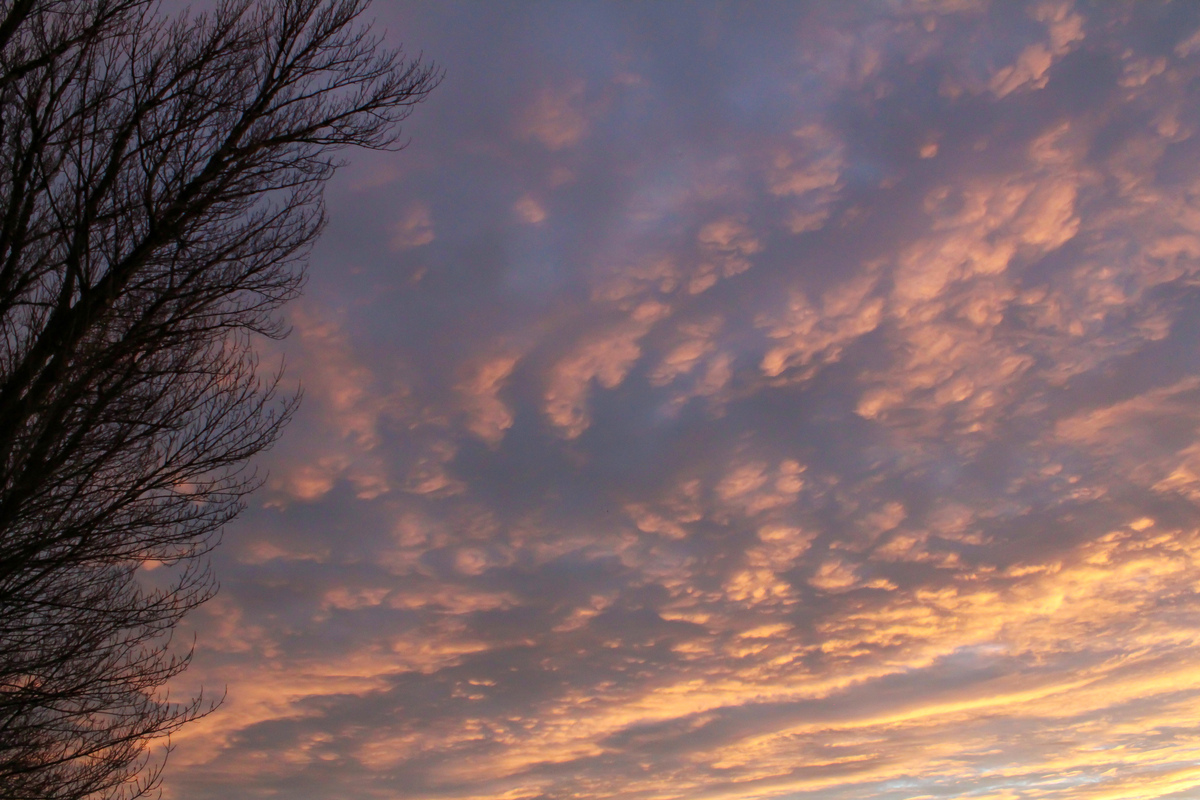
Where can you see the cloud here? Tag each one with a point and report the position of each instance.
(954, 291)
(604, 357)
(556, 117)
(489, 416)
(726, 246)
(1064, 28)
(808, 173)
(848, 451)
(693, 367)
(350, 407)
(805, 333)
(529, 210)
(414, 228)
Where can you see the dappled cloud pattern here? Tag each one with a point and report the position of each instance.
(764, 401)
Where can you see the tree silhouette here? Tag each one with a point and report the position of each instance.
(160, 186)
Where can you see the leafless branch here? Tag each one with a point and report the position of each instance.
(160, 187)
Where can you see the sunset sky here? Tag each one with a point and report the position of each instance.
(725, 400)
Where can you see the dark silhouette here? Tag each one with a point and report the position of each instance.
(160, 185)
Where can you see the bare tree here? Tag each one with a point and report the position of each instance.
(160, 185)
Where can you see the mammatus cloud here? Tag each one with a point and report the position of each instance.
(795, 403)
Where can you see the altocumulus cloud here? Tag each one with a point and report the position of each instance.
(758, 401)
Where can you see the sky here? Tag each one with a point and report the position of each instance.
(736, 401)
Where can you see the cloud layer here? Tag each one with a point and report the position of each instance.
(766, 401)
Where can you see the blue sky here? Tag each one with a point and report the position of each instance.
(739, 401)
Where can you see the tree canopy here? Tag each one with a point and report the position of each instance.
(160, 187)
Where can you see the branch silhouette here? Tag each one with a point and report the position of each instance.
(160, 188)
